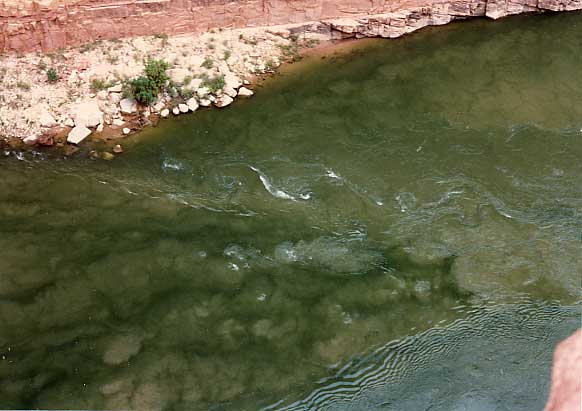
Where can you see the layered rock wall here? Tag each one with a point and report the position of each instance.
(27, 25)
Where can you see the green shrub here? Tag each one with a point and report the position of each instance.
(98, 84)
(145, 89)
(155, 71)
(52, 75)
(214, 84)
(208, 63)
(227, 54)
(142, 89)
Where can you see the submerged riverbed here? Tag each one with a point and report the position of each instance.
(397, 228)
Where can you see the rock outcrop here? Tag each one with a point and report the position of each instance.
(27, 25)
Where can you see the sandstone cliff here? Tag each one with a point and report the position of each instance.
(27, 25)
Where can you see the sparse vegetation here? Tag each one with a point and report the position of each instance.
(98, 84)
(213, 84)
(23, 85)
(270, 65)
(52, 76)
(290, 51)
(227, 54)
(208, 63)
(41, 65)
(146, 88)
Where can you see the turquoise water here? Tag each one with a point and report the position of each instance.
(397, 227)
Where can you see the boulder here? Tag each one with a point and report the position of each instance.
(117, 122)
(165, 112)
(159, 106)
(118, 88)
(30, 140)
(245, 92)
(183, 108)
(223, 101)
(203, 92)
(205, 102)
(102, 95)
(117, 149)
(87, 114)
(128, 105)
(192, 104)
(232, 80)
(46, 119)
(176, 111)
(126, 130)
(229, 91)
(78, 134)
(115, 98)
(99, 128)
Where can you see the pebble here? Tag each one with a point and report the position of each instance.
(126, 131)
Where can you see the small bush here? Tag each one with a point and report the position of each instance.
(145, 89)
(52, 76)
(42, 65)
(142, 89)
(208, 63)
(155, 71)
(227, 54)
(214, 84)
(98, 84)
(187, 80)
(23, 85)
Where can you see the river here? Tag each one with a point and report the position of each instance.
(396, 226)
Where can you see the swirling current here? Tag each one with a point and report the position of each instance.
(395, 226)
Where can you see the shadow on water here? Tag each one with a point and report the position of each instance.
(394, 228)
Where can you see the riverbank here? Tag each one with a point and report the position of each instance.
(66, 96)
(70, 96)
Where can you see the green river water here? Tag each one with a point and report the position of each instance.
(397, 227)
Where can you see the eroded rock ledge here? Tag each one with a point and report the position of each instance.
(32, 25)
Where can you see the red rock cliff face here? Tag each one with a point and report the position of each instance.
(27, 25)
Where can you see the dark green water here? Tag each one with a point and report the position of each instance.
(395, 228)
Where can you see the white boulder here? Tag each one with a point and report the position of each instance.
(115, 89)
(232, 80)
(99, 128)
(126, 131)
(128, 105)
(245, 92)
(102, 95)
(78, 134)
(46, 119)
(159, 106)
(118, 122)
(205, 102)
(192, 104)
(165, 112)
(115, 98)
(203, 92)
(229, 91)
(176, 111)
(183, 108)
(87, 114)
(30, 140)
(223, 101)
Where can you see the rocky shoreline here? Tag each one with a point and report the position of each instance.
(65, 96)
